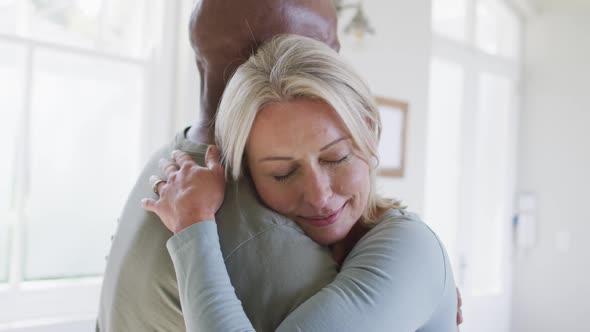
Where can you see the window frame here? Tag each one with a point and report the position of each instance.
(60, 302)
(474, 62)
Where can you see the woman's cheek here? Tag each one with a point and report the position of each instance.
(277, 199)
(353, 179)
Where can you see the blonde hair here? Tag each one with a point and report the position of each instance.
(289, 67)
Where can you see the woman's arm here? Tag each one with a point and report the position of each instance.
(207, 297)
(397, 278)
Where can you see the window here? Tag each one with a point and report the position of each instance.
(491, 168)
(444, 135)
(497, 30)
(11, 99)
(77, 112)
(121, 27)
(471, 159)
(94, 144)
(449, 18)
(471, 127)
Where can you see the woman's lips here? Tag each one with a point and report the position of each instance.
(324, 221)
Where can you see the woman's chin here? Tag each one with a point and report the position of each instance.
(326, 236)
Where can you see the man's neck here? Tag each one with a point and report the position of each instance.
(199, 133)
(203, 129)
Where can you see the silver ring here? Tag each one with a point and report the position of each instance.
(155, 186)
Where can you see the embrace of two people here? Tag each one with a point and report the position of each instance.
(264, 215)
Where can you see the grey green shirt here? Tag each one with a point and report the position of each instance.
(397, 278)
(273, 266)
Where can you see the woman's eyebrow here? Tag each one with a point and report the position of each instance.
(334, 142)
(327, 146)
(275, 159)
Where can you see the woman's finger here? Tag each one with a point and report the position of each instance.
(149, 204)
(157, 183)
(212, 157)
(168, 167)
(181, 158)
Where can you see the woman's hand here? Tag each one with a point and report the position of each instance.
(191, 193)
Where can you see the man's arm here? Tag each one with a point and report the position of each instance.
(139, 290)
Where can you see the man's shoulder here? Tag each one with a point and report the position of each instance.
(139, 289)
(139, 270)
(243, 218)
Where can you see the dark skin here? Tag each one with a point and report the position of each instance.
(221, 48)
(224, 33)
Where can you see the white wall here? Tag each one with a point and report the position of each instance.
(395, 61)
(552, 282)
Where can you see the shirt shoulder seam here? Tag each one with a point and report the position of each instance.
(243, 243)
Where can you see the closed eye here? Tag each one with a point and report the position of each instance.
(339, 161)
(282, 178)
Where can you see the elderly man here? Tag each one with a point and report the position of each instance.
(273, 267)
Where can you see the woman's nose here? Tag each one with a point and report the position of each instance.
(317, 189)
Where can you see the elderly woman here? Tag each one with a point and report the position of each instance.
(303, 127)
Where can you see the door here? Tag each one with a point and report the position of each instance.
(470, 185)
(486, 213)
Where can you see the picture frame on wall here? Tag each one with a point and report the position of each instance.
(392, 146)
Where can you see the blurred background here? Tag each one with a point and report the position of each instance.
(496, 157)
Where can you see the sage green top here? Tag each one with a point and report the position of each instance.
(396, 278)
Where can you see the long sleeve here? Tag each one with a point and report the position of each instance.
(207, 297)
(397, 278)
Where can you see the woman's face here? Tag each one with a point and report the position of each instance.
(305, 166)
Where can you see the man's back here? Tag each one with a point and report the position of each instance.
(273, 266)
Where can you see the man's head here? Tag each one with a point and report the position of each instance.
(224, 33)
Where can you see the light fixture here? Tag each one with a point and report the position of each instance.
(359, 24)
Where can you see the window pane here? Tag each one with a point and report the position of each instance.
(9, 16)
(498, 29)
(126, 27)
(65, 22)
(5, 233)
(449, 18)
(491, 211)
(444, 154)
(12, 73)
(84, 159)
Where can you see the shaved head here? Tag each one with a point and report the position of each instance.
(224, 33)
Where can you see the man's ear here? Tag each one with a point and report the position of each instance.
(369, 122)
(373, 162)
